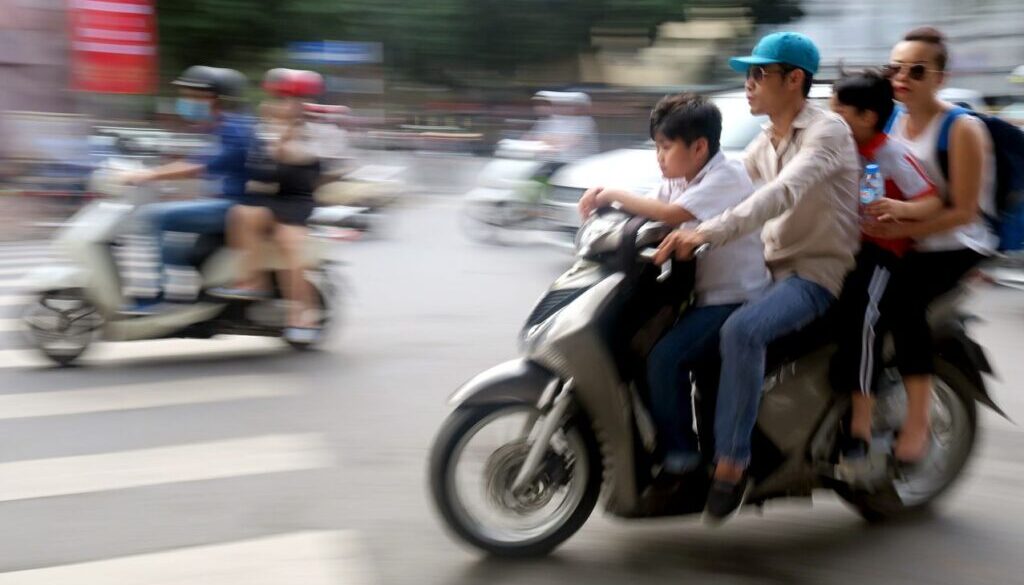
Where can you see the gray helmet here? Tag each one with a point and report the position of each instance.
(225, 83)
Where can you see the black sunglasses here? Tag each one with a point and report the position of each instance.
(758, 73)
(915, 71)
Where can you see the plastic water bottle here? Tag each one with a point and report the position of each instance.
(872, 185)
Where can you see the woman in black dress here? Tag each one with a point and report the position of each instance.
(283, 173)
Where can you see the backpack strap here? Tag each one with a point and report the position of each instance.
(942, 147)
(897, 111)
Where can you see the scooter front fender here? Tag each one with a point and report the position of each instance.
(513, 382)
(51, 278)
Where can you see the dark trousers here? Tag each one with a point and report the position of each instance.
(862, 324)
(922, 278)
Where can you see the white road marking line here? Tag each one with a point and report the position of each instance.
(139, 396)
(152, 350)
(17, 271)
(310, 558)
(82, 474)
(9, 325)
(14, 300)
(29, 261)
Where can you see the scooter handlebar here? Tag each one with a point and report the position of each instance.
(647, 255)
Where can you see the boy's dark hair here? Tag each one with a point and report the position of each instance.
(932, 36)
(867, 91)
(687, 117)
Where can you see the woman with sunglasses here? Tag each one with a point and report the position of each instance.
(950, 243)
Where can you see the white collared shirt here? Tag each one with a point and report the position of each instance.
(735, 272)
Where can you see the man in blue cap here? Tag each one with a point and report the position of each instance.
(806, 210)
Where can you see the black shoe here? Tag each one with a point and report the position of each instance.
(680, 463)
(724, 498)
(854, 449)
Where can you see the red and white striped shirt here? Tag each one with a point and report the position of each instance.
(905, 180)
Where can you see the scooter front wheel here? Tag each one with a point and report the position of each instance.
(474, 464)
(62, 324)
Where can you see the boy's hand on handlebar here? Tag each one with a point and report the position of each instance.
(679, 244)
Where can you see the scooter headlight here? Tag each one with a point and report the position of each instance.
(533, 336)
(539, 321)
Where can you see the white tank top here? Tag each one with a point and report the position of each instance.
(976, 235)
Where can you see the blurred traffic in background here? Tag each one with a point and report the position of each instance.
(458, 136)
(89, 80)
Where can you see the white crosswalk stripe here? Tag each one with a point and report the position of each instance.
(81, 474)
(157, 350)
(14, 300)
(138, 396)
(309, 558)
(115, 468)
(11, 326)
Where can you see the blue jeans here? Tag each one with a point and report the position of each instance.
(207, 216)
(693, 339)
(787, 305)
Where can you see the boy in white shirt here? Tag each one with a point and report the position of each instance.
(699, 183)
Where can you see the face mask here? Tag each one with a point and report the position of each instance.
(194, 110)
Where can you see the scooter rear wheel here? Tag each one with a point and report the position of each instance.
(954, 432)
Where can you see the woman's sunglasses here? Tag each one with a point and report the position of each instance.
(915, 71)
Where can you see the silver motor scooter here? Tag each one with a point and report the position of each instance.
(82, 299)
(520, 463)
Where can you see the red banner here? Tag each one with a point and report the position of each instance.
(113, 46)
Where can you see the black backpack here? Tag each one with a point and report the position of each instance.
(1008, 144)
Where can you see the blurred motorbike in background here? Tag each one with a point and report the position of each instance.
(509, 196)
(83, 298)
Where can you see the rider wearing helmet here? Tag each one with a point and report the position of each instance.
(207, 98)
(284, 170)
(565, 127)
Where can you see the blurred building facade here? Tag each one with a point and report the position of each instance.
(34, 61)
(986, 37)
(682, 54)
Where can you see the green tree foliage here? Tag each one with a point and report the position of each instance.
(421, 38)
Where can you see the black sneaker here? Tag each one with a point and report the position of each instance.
(854, 449)
(724, 498)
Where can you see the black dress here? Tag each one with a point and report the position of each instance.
(292, 203)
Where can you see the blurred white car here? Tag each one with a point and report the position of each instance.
(636, 168)
(1013, 113)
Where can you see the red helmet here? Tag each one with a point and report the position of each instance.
(293, 83)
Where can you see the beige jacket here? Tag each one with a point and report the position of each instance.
(807, 204)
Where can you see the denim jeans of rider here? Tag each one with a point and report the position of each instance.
(193, 217)
(787, 306)
(693, 340)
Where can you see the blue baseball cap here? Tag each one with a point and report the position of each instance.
(787, 48)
